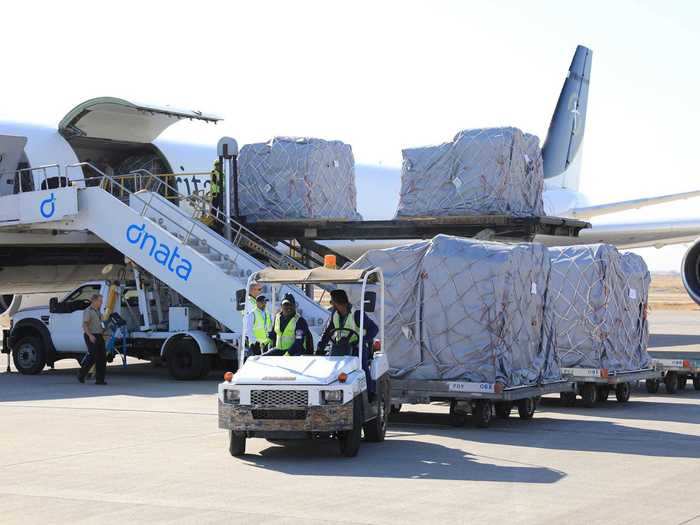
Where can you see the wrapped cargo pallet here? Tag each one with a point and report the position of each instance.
(481, 172)
(596, 301)
(297, 178)
(466, 310)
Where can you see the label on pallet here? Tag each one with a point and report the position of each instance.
(463, 386)
(581, 372)
(669, 363)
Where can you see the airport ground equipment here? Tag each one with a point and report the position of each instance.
(595, 384)
(312, 396)
(675, 373)
(483, 401)
(186, 263)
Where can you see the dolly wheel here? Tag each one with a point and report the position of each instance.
(589, 393)
(652, 385)
(682, 380)
(526, 408)
(696, 381)
(458, 418)
(671, 382)
(503, 409)
(568, 399)
(622, 392)
(482, 412)
(603, 393)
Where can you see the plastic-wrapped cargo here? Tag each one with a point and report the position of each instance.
(459, 309)
(297, 178)
(596, 301)
(493, 171)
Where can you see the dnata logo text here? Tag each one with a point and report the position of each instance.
(164, 255)
(47, 207)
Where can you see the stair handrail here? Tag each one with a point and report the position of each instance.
(193, 223)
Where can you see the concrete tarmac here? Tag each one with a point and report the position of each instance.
(146, 448)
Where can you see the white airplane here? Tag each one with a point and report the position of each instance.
(121, 136)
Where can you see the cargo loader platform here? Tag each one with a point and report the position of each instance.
(489, 227)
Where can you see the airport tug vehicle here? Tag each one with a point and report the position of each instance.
(288, 397)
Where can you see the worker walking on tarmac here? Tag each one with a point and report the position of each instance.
(343, 330)
(290, 333)
(217, 178)
(93, 333)
(261, 322)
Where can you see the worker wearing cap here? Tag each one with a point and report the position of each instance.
(217, 178)
(344, 324)
(261, 322)
(290, 333)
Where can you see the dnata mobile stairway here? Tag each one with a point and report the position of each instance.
(163, 240)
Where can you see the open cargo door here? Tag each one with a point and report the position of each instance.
(117, 119)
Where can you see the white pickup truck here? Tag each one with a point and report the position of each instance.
(160, 325)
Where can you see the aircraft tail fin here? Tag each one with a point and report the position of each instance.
(562, 148)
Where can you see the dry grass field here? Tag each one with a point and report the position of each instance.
(667, 293)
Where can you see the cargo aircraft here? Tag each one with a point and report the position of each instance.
(120, 136)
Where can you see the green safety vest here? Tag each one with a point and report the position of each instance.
(252, 305)
(349, 324)
(286, 339)
(216, 177)
(262, 326)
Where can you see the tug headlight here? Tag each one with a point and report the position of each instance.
(332, 396)
(232, 396)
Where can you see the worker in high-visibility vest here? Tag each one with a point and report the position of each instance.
(260, 322)
(290, 332)
(215, 183)
(343, 330)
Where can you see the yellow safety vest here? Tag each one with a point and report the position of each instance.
(262, 326)
(349, 324)
(286, 339)
(216, 177)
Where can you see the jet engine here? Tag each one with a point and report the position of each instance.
(690, 271)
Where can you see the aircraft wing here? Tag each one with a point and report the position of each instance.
(632, 235)
(614, 207)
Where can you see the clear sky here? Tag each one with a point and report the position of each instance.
(383, 76)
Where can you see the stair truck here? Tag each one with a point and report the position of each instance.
(311, 396)
(178, 297)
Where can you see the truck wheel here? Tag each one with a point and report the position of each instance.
(206, 366)
(696, 382)
(458, 418)
(375, 429)
(503, 409)
(350, 440)
(671, 382)
(185, 361)
(603, 393)
(652, 385)
(568, 399)
(236, 443)
(482, 413)
(682, 380)
(29, 355)
(589, 393)
(526, 408)
(622, 392)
